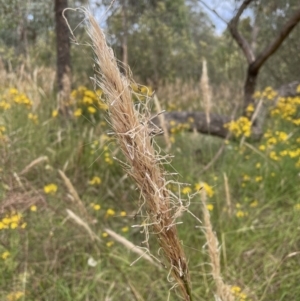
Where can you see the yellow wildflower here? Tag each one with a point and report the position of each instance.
(5, 255)
(109, 244)
(97, 207)
(273, 156)
(33, 117)
(123, 213)
(258, 179)
(262, 147)
(210, 207)
(33, 208)
(13, 225)
(104, 234)
(4, 105)
(241, 213)
(54, 113)
(95, 181)
(23, 226)
(125, 229)
(14, 296)
(254, 204)
(250, 109)
(235, 289)
(50, 188)
(257, 94)
(87, 100)
(77, 112)
(110, 212)
(208, 189)
(246, 178)
(91, 110)
(186, 190)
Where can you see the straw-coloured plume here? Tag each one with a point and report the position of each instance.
(206, 91)
(132, 132)
(223, 292)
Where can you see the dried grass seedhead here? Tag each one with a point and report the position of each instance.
(132, 132)
(206, 91)
(223, 292)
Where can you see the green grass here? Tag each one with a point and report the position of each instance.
(49, 257)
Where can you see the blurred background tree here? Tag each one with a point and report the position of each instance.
(162, 40)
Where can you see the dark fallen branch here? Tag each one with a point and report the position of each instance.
(195, 121)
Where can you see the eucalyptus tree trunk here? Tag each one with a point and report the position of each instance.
(63, 56)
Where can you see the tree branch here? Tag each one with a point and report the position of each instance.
(233, 28)
(273, 46)
(213, 11)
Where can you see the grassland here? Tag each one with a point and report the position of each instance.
(46, 255)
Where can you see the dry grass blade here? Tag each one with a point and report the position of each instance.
(73, 192)
(223, 292)
(33, 163)
(132, 132)
(83, 224)
(227, 193)
(130, 246)
(206, 91)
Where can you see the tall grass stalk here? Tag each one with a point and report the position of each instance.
(143, 163)
(206, 91)
(223, 292)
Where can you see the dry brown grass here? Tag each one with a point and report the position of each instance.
(206, 92)
(223, 292)
(143, 164)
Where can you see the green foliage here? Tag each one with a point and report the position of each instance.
(56, 258)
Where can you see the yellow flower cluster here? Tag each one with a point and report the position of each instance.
(141, 92)
(12, 221)
(178, 127)
(250, 109)
(208, 189)
(13, 96)
(87, 101)
(241, 126)
(33, 118)
(287, 108)
(20, 98)
(14, 296)
(279, 138)
(237, 292)
(268, 94)
(107, 156)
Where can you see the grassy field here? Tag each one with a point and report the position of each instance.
(47, 255)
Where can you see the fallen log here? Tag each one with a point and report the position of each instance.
(194, 121)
